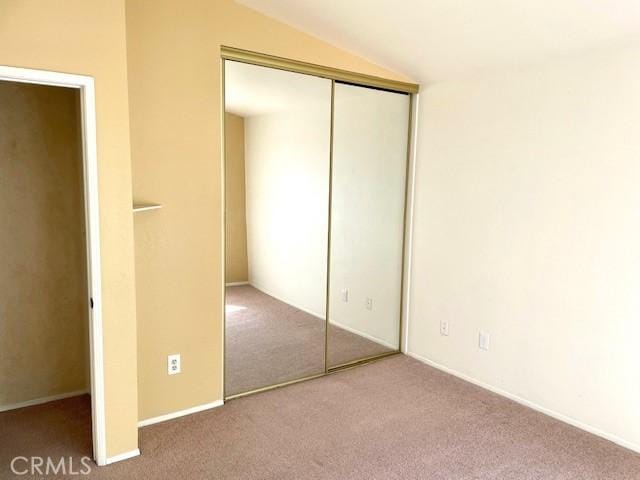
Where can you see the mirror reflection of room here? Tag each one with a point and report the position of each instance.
(277, 186)
(315, 196)
(367, 222)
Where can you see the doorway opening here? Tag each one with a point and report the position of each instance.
(51, 373)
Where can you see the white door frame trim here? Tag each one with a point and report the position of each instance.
(92, 221)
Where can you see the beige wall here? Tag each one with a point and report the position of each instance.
(174, 94)
(89, 37)
(527, 227)
(43, 315)
(236, 251)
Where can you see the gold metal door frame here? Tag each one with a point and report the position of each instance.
(333, 74)
(296, 66)
(327, 307)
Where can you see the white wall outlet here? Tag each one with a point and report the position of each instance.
(444, 328)
(345, 294)
(483, 340)
(368, 303)
(173, 364)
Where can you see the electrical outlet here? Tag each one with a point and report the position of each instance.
(444, 328)
(483, 340)
(173, 364)
(345, 294)
(368, 303)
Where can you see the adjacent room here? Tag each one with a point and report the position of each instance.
(291, 239)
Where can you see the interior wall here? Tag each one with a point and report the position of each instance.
(174, 93)
(89, 38)
(236, 269)
(526, 227)
(287, 171)
(43, 278)
(367, 211)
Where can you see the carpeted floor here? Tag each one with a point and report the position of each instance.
(270, 342)
(57, 429)
(392, 419)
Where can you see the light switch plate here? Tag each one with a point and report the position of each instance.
(444, 328)
(368, 303)
(483, 340)
(345, 294)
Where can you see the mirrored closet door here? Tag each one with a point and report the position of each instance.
(277, 128)
(315, 187)
(369, 167)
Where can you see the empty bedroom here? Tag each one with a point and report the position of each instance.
(290, 239)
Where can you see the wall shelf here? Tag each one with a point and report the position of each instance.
(145, 207)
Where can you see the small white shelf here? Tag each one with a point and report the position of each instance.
(145, 207)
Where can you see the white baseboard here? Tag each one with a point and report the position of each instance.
(235, 284)
(364, 335)
(180, 413)
(522, 401)
(38, 401)
(284, 300)
(123, 456)
(321, 317)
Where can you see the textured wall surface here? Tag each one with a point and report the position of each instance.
(526, 227)
(43, 281)
(89, 38)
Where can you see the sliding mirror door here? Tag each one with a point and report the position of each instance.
(277, 131)
(369, 168)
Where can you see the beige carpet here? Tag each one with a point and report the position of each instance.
(57, 429)
(270, 342)
(393, 419)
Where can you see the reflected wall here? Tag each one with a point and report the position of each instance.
(323, 185)
(275, 324)
(369, 167)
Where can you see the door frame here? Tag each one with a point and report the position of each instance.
(85, 85)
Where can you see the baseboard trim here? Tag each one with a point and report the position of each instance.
(235, 284)
(322, 318)
(180, 413)
(123, 456)
(283, 300)
(522, 401)
(355, 331)
(39, 401)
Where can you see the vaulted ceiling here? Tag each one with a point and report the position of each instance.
(436, 40)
